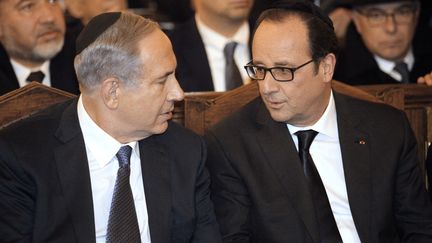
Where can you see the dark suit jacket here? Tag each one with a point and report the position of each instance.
(45, 183)
(357, 66)
(260, 193)
(61, 68)
(193, 69)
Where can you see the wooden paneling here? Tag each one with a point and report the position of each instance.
(23, 102)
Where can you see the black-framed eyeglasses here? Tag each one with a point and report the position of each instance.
(281, 74)
(401, 15)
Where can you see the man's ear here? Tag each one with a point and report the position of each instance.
(111, 92)
(328, 64)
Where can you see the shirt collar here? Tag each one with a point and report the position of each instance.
(97, 141)
(387, 66)
(326, 125)
(214, 39)
(22, 72)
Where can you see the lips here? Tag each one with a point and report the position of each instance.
(240, 3)
(274, 104)
(168, 114)
(391, 44)
(49, 36)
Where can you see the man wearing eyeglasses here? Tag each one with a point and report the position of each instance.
(381, 49)
(305, 164)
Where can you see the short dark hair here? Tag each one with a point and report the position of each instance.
(322, 38)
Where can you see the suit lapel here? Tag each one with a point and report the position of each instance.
(357, 165)
(74, 175)
(156, 169)
(278, 147)
(196, 60)
(9, 80)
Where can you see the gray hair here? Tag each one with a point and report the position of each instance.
(115, 53)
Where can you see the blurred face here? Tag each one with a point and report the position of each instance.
(236, 10)
(145, 109)
(299, 102)
(390, 37)
(32, 31)
(90, 8)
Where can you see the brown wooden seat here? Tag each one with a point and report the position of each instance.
(23, 102)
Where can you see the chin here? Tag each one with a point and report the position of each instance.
(48, 50)
(276, 116)
(161, 128)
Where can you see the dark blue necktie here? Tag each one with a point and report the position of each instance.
(122, 223)
(328, 230)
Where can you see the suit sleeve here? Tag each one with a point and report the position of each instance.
(413, 209)
(206, 229)
(229, 194)
(16, 199)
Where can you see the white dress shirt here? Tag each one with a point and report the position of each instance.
(214, 44)
(101, 151)
(326, 154)
(23, 72)
(388, 66)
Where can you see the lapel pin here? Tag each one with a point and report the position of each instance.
(361, 142)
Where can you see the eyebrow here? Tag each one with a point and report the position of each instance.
(22, 1)
(374, 8)
(276, 64)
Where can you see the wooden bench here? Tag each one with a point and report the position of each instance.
(199, 111)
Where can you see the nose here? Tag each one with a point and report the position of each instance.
(268, 85)
(390, 24)
(47, 11)
(176, 92)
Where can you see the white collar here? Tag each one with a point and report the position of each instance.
(326, 125)
(387, 66)
(214, 39)
(101, 144)
(22, 72)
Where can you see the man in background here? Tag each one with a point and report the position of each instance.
(85, 10)
(213, 45)
(381, 49)
(34, 46)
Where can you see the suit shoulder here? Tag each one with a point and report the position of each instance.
(372, 111)
(242, 118)
(176, 135)
(183, 31)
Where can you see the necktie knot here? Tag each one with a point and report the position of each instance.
(37, 76)
(402, 69)
(229, 49)
(123, 155)
(305, 139)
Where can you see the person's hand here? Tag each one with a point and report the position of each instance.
(426, 79)
(341, 18)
